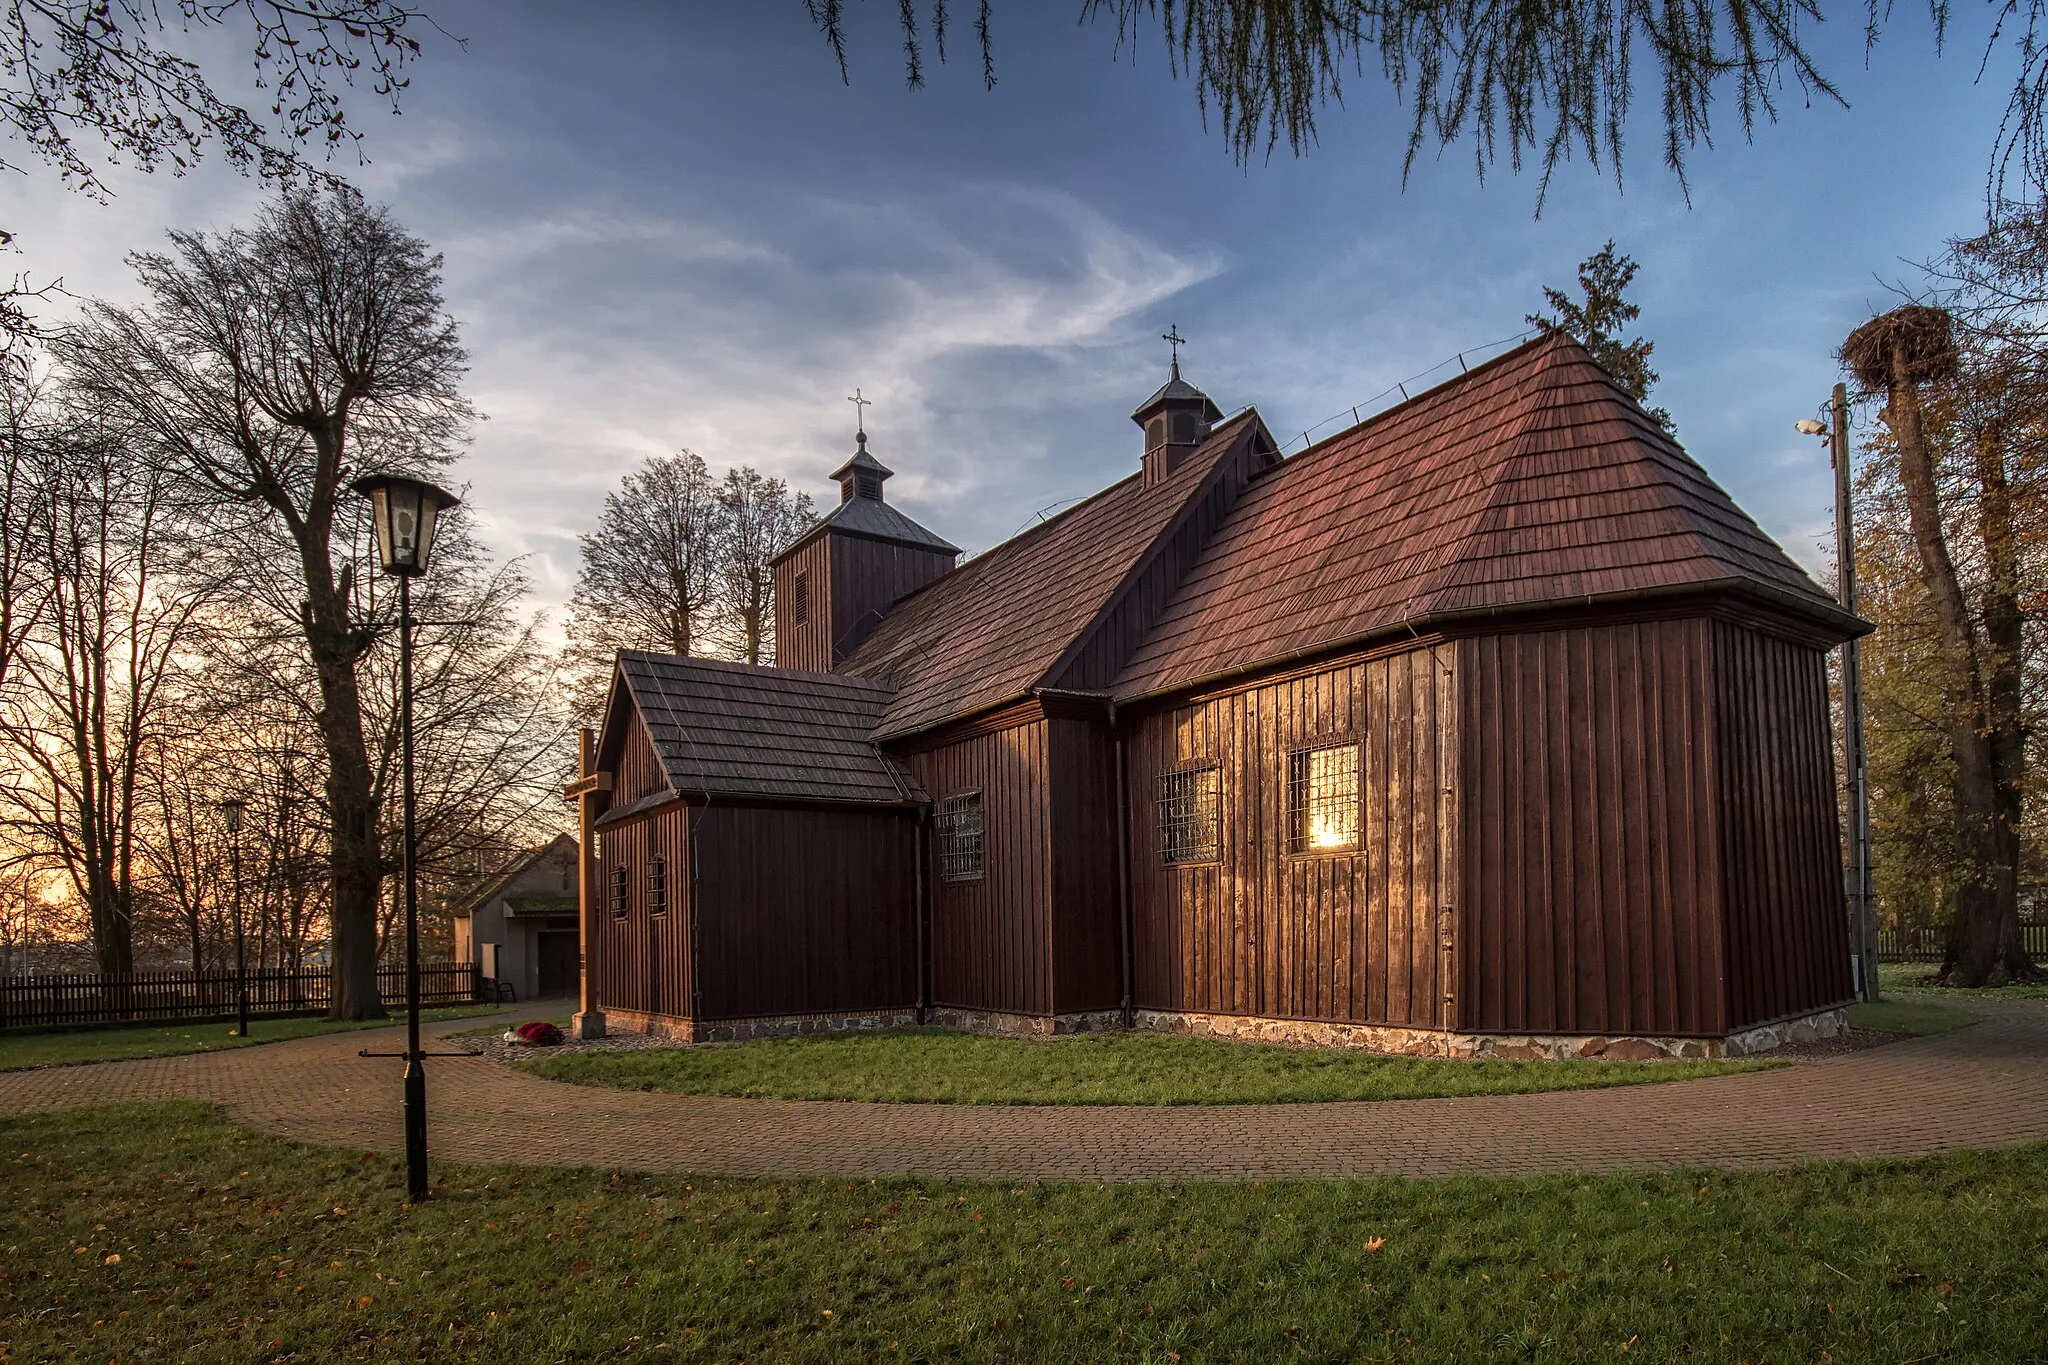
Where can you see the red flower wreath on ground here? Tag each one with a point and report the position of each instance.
(539, 1033)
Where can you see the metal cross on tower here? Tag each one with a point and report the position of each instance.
(860, 425)
(1173, 338)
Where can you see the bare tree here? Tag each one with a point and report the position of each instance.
(271, 365)
(493, 736)
(650, 570)
(1910, 356)
(28, 430)
(86, 82)
(96, 674)
(762, 519)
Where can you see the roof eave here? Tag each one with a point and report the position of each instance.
(1835, 622)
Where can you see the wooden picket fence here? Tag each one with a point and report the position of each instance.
(1925, 945)
(52, 1001)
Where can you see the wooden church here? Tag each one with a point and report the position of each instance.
(1489, 726)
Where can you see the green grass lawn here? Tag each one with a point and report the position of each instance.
(19, 1051)
(1908, 976)
(162, 1233)
(1911, 1016)
(940, 1067)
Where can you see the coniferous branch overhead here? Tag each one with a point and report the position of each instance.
(1540, 83)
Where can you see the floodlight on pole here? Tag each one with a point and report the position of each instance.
(1856, 780)
(405, 514)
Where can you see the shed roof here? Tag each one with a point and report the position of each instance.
(735, 730)
(988, 632)
(1534, 480)
(563, 845)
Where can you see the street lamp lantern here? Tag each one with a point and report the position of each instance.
(232, 810)
(404, 513)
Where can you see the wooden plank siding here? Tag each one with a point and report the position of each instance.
(807, 646)
(1786, 920)
(645, 962)
(990, 939)
(637, 771)
(804, 910)
(1349, 936)
(1591, 862)
(1087, 929)
(868, 577)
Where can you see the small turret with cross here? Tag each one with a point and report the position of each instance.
(861, 476)
(1176, 419)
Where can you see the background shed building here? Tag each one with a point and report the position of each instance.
(1488, 725)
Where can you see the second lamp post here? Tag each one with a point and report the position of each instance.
(404, 513)
(231, 813)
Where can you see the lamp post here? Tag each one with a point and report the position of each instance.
(404, 513)
(1862, 919)
(231, 812)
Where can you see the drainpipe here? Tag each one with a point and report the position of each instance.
(923, 908)
(1123, 866)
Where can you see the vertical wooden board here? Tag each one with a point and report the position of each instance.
(1425, 929)
(1086, 934)
(989, 936)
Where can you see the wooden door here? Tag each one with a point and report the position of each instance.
(558, 962)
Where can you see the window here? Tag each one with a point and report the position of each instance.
(800, 599)
(1187, 428)
(959, 828)
(867, 484)
(1190, 815)
(1155, 433)
(619, 893)
(1322, 798)
(657, 886)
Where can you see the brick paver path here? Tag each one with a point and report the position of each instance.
(1979, 1087)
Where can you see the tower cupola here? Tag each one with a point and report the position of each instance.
(861, 476)
(836, 581)
(1175, 420)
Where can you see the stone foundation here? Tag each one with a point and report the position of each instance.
(1391, 1040)
(1040, 1025)
(1810, 1028)
(739, 1030)
(1414, 1042)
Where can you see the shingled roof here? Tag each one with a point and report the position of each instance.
(1534, 480)
(730, 729)
(989, 632)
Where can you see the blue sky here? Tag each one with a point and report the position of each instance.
(672, 225)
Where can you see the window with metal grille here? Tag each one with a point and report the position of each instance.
(657, 886)
(1322, 798)
(958, 824)
(800, 599)
(1190, 815)
(620, 893)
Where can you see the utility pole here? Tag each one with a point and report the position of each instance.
(1862, 919)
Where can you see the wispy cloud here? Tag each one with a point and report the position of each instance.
(604, 337)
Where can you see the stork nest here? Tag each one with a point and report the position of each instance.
(1915, 343)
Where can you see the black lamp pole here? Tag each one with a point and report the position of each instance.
(232, 810)
(415, 1060)
(404, 513)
